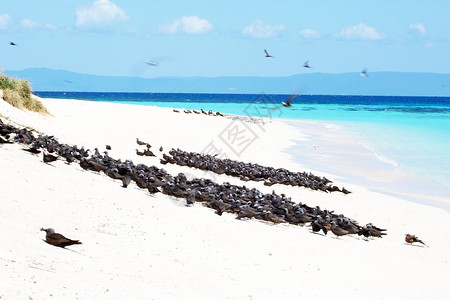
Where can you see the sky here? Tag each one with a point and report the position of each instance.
(225, 38)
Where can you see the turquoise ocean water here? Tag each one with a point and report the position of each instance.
(411, 133)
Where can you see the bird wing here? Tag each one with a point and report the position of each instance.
(55, 238)
(291, 97)
(152, 63)
(267, 54)
(59, 240)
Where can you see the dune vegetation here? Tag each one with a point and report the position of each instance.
(18, 93)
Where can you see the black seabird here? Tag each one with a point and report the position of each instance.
(267, 54)
(287, 103)
(49, 158)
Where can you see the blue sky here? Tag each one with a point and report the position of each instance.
(228, 38)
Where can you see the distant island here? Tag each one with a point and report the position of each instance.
(377, 84)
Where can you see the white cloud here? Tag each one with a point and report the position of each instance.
(419, 27)
(310, 33)
(188, 25)
(27, 23)
(4, 21)
(260, 30)
(360, 32)
(100, 14)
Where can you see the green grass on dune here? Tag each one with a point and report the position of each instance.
(17, 92)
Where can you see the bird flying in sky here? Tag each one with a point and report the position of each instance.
(364, 73)
(287, 103)
(152, 63)
(267, 54)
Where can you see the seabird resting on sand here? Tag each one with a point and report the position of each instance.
(316, 227)
(338, 231)
(140, 142)
(2, 141)
(411, 238)
(33, 150)
(57, 239)
(49, 158)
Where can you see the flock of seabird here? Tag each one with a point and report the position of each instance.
(249, 171)
(363, 73)
(208, 113)
(246, 203)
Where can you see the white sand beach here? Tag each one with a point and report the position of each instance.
(142, 246)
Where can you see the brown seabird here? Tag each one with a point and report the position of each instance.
(57, 239)
(411, 238)
(338, 231)
(141, 143)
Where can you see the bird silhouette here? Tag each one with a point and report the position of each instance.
(364, 73)
(316, 227)
(152, 63)
(267, 54)
(12, 44)
(287, 103)
(306, 65)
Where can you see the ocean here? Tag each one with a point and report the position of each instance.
(411, 134)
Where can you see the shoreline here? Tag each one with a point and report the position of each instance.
(332, 150)
(163, 249)
(356, 158)
(420, 173)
